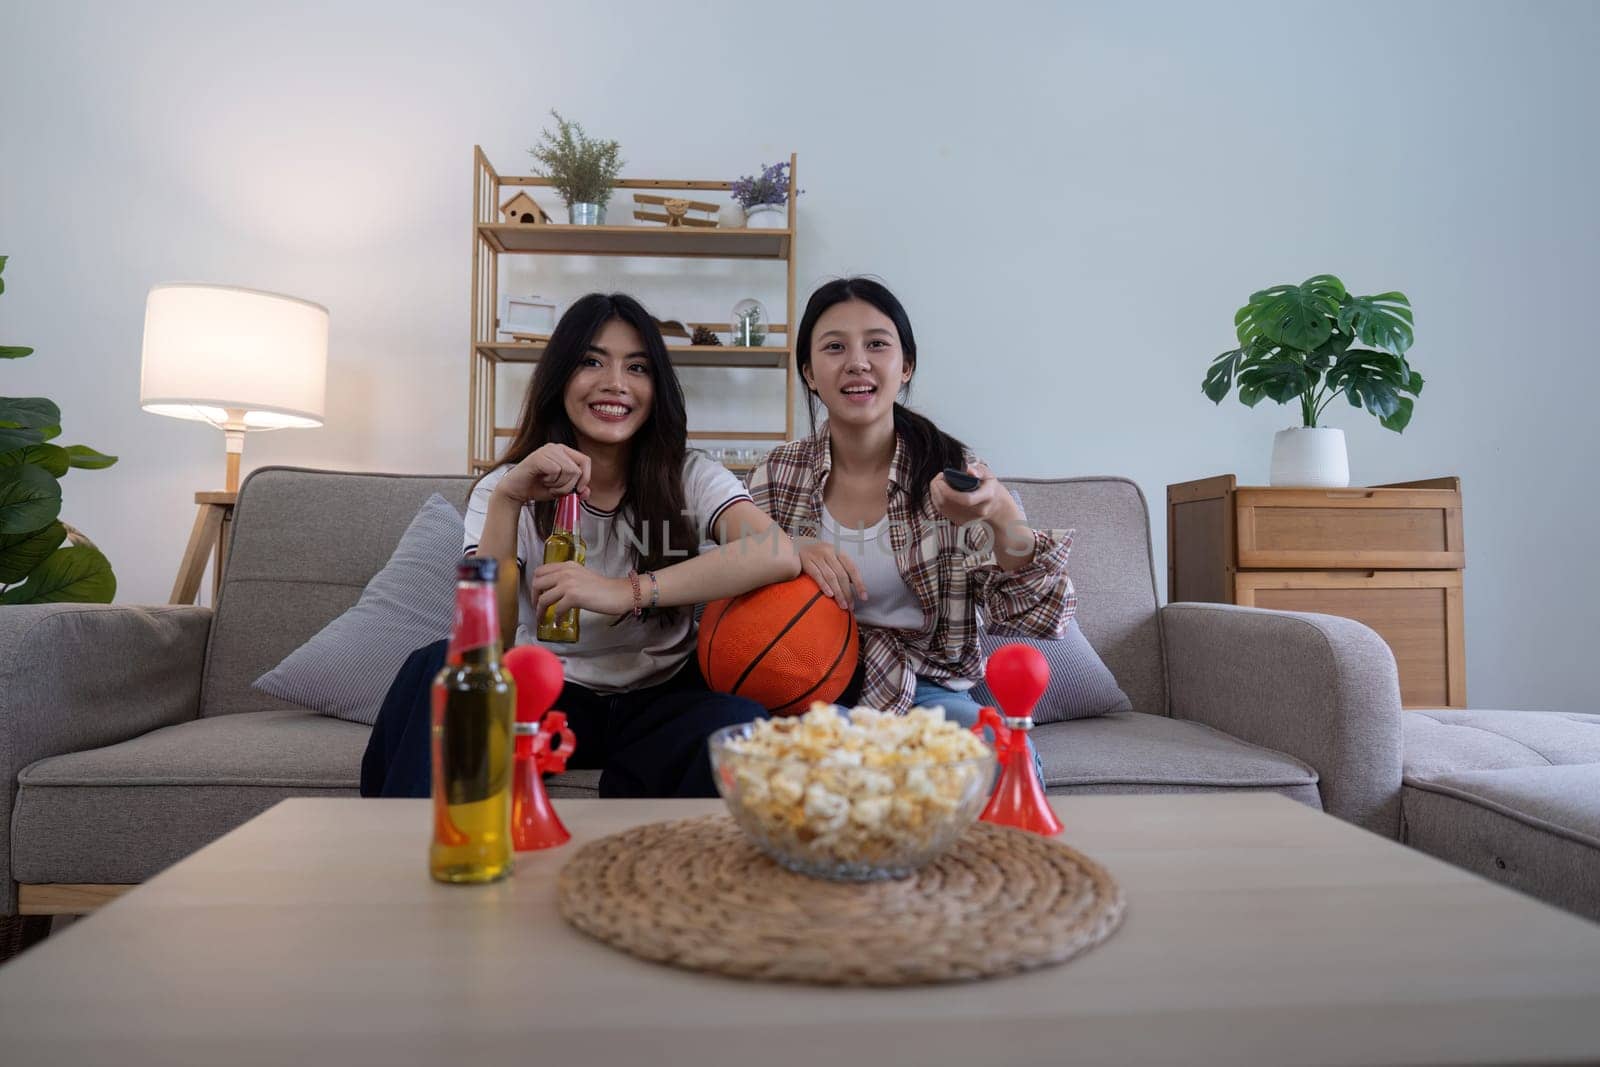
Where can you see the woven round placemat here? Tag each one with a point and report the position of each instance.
(697, 894)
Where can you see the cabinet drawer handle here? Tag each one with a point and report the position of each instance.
(1368, 495)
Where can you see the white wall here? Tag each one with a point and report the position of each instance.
(1071, 199)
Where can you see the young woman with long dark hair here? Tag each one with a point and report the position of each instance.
(604, 418)
(883, 532)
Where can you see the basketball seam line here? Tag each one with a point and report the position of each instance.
(849, 635)
(711, 644)
(774, 642)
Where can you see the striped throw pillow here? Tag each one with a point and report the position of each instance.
(1081, 685)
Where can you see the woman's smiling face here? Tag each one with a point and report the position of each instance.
(608, 397)
(857, 368)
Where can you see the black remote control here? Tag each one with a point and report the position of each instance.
(960, 481)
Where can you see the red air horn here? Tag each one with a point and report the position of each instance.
(538, 674)
(1017, 676)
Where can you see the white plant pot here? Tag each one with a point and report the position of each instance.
(1310, 456)
(731, 217)
(766, 217)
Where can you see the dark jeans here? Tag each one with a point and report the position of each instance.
(646, 743)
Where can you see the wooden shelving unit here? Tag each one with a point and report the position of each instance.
(492, 238)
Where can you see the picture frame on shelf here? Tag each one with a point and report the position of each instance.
(521, 315)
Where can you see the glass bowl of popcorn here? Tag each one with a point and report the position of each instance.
(853, 796)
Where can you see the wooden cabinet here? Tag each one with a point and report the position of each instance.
(1389, 556)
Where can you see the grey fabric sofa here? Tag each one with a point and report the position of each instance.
(1511, 795)
(130, 736)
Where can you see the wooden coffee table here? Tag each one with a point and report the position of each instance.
(1258, 930)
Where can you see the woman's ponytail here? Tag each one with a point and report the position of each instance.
(930, 448)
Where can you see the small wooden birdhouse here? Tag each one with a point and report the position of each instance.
(523, 208)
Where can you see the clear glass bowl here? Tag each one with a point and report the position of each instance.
(848, 823)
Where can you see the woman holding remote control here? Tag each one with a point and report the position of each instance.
(899, 521)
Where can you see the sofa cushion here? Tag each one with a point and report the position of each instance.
(581, 783)
(1080, 684)
(1112, 573)
(121, 813)
(1133, 752)
(1449, 740)
(304, 545)
(1535, 828)
(347, 667)
(1511, 795)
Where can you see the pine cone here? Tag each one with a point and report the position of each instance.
(703, 336)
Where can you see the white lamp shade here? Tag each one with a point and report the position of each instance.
(212, 348)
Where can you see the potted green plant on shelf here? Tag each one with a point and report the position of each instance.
(35, 568)
(582, 170)
(765, 197)
(1297, 342)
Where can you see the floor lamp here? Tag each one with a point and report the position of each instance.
(242, 360)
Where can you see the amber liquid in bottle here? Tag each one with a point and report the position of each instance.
(563, 545)
(474, 708)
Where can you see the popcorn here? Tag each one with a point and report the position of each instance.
(862, 788)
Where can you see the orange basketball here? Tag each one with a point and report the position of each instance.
(783, 646)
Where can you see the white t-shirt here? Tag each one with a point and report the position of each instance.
(890, 604)
(612, 656)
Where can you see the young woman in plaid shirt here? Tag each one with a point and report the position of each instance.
(883, 533)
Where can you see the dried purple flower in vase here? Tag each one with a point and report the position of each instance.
(770, 187)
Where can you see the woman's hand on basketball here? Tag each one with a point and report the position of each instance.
(836, 574)
(572, 585)
(549, 471)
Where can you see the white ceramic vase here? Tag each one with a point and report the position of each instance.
(731, 217)
(1310, 456)
(766, 217)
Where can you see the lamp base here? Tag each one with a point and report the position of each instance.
(233, 443)
(207, 541)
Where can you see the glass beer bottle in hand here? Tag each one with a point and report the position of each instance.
(474, 707)
(564, 545)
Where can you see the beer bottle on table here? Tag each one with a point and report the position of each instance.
(474, 707)
(563, 545)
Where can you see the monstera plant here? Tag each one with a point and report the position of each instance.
(1314, 342)
(1299, 342)
(42, 559)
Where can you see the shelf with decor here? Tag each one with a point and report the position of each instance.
(530, 238)
(494, 236)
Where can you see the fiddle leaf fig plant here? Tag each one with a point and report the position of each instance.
(1302, 342)
(42, 559)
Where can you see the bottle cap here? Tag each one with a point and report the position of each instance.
(478, 569)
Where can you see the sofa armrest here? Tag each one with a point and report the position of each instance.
(79, 676)
(1318, 687)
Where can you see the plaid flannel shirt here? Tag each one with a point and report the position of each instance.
(953, 581)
